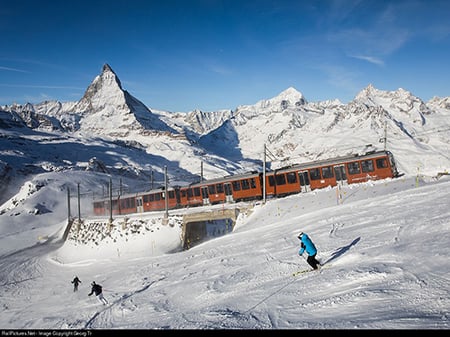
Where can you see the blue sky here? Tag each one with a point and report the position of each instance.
(211, 55)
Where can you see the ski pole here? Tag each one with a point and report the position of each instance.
(305, 258)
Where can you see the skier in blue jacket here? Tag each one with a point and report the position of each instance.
(308, 246)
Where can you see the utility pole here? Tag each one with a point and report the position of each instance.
(68, 205)
(166, 197)
(110, 201)
(69, 221)
(264, 175)
(79, 207)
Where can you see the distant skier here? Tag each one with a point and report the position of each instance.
(308, 246)
(97, 289)
(76, 281)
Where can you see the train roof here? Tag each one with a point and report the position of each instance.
(335, 160)
(226, 178)
(135, 194)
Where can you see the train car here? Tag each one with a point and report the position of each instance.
(244, 187)
(155, 200)
(330, 172)
(122, 204)
(137, 203)
(235, 188)
(282, 182)
(191, 196)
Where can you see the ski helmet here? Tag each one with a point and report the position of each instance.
(300, 235)
(93, 283)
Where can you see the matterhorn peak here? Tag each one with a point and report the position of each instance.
(105, 88)
(109, 107)
(107, 67)
(108, 73)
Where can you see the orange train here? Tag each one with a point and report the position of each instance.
(245, 187)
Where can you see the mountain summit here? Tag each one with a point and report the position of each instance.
(110, 110)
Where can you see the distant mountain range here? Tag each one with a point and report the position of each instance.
(112, 132)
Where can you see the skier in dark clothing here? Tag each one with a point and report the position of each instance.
(76, 281)
(308, 246)
(97, 289)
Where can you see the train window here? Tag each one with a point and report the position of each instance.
(183, 193)
(126, 203)
(212, 189)
(190, 193)
(327, 172)
(157, 196)
(381, 163)
(314, 174)
(245, 184)
(353, 168)
(197, 191)
(219, 188)
(281, 179)
(252, 183)
(236, 185)
(132, 203)
(151, 197)
(171, 194)
(271, 181)
(291, 178)
(145, 198)
(367, 165)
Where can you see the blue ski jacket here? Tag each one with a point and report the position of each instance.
(307, 245)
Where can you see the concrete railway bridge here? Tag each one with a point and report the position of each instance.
(198, 224)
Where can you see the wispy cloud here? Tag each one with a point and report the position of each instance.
(359, 41)
(370, 59)
(38, 86)
(13, 69)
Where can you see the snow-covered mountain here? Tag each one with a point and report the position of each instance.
(112, 133)
(111, 110)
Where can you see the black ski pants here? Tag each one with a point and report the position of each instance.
(312, 261)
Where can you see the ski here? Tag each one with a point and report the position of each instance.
(303, 271)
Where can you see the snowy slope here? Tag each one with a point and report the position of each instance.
(384, 245)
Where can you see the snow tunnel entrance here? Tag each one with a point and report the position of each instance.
(200, 231)
(202, 226)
